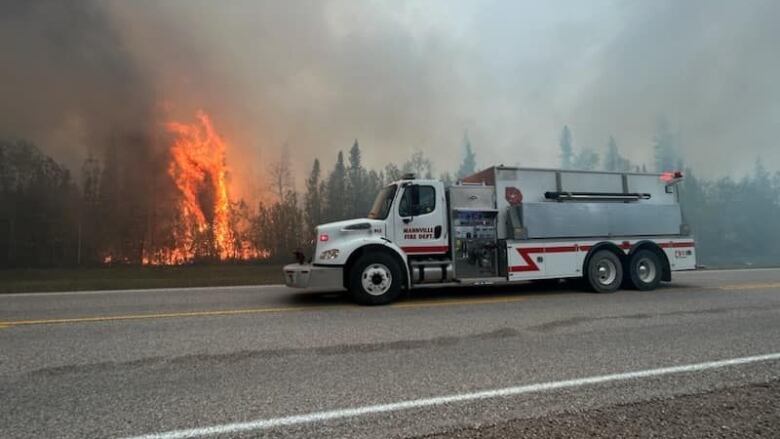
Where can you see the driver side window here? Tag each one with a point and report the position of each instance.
(417, 200)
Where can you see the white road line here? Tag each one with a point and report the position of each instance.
(264, 424)
(140, 290)
(724, 270)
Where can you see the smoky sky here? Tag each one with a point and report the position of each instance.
(399, 77)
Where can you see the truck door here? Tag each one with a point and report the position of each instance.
(420, 219)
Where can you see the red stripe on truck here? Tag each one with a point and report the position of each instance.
(525, 252)
(690, 244)
(426, 249)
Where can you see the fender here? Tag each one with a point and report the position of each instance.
(603, 245)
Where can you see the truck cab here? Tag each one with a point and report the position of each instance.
(408, 220)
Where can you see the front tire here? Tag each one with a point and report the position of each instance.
(644, 270)
(375, 279)
(604, 272)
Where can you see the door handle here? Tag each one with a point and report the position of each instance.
(437, 232)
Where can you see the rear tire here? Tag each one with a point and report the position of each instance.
(604, 272)
(644, 270)
(375, 279)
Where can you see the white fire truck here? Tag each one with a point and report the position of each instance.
(503, 225)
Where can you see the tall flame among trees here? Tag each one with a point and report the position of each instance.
(197, 166)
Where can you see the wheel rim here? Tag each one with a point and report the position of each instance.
(376, 279)
(606, 272)
(645, 270)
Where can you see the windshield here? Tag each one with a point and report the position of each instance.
(382, 204)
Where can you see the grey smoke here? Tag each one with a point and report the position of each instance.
(399, 76)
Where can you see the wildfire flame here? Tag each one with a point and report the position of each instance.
(198, 169)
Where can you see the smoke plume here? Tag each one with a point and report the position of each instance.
(399, 76)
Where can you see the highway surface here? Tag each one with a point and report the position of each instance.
(268, 361)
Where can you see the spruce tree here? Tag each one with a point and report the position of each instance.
(567, 153)
(469, 164)
(612, 157)
(665, 149)
(312, 199)
(336, 200)
(356, 190)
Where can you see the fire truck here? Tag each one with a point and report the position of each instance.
(505, 225)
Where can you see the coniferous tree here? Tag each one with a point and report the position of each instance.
(446, 179)
(665, 150)
(469, 165)
(612, 157)
(585, 160)
(336, 200)
(357, 195)
(89, 219)
(567, 152)
(392, 173)
(613, 161)
(313, 198)
(373, 184)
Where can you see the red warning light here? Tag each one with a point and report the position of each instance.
(671, 176)
(513, 196)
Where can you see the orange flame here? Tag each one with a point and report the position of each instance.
(198, 170)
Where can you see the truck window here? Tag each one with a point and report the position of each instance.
(382, 203)
(417, 200)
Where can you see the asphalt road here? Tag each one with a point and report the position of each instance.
(273, 362)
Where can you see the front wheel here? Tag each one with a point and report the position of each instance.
(604, 272)
(375, 279)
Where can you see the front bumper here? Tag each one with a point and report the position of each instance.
(314, 276)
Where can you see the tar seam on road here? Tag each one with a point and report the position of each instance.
(231, 312)
(265, 424)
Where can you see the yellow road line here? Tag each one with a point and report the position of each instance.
(228, 312)
(231, 312)
(751, 286)
(430, 303)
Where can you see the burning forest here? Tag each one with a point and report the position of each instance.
(191, 216)
(204, 227)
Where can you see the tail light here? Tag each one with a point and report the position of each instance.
(324, 237)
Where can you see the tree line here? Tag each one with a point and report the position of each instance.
(48, 219)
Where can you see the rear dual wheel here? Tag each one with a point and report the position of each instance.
(605, 271)
(644, 270)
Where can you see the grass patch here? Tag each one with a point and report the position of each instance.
(118, 278)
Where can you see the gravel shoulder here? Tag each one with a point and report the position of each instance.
(750, 411)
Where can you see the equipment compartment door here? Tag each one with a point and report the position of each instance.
(526, 261)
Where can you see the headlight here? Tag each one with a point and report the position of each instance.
(329, 254)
